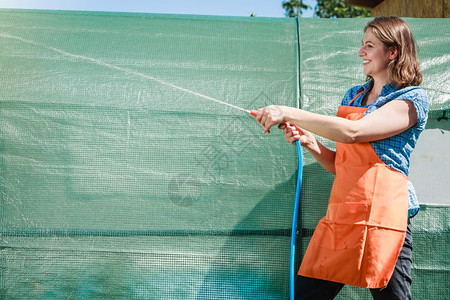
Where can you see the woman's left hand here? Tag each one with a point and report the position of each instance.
(271, 115)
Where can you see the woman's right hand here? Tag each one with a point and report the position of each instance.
(293, 133)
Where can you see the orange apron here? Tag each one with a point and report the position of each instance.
(359, 239)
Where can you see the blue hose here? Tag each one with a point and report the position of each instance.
(294, 221)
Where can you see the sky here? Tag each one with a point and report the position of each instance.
(262, 8)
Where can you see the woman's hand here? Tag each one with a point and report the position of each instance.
(270, 116)
(276, 115)
(293, 133)
(324, 156)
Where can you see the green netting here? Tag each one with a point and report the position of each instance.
(121, 180)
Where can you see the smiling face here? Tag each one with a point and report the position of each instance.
(389, 53)
(376, 57)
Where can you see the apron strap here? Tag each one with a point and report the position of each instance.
(356, 97)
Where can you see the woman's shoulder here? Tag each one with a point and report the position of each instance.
(417, 96)
(413, 93)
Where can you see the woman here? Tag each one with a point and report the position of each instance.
(365, 238)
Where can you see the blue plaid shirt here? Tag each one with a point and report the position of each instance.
(395, 151)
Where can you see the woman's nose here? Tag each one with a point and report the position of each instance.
(361, 52)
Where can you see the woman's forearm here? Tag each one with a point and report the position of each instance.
(324, 156)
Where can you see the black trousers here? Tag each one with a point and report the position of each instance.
(398, 288)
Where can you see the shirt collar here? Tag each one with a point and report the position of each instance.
(388, 88)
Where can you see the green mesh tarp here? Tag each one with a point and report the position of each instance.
(125, 176)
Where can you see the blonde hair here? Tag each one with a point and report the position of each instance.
(404, 70)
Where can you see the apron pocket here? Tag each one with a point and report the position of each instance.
(338, 236)
(348, 213)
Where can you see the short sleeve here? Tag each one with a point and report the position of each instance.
(420, 100)
(421, 105)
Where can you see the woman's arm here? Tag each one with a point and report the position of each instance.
(389, 120)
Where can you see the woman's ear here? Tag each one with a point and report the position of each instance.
(393, 52)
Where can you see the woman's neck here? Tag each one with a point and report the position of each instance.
(374, 91)
(378, 85)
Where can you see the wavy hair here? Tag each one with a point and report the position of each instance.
(404, 70)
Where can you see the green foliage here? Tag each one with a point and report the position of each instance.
(293, 6)
(337, 9)
(326, 9)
